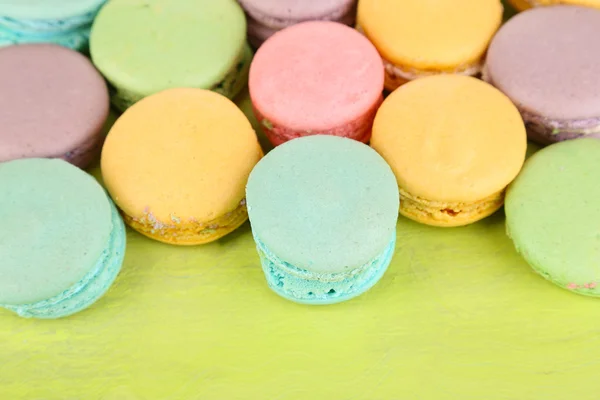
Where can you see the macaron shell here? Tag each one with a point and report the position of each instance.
(193, 43)
(47, 9)
(557, 77)
(552, 214)
(180, 156)
(295, 10)
(56, 222)
(450, 138)
(430, 34)
(290, 88)
(54, 104)
(323, 204)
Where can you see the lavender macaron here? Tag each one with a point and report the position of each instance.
(53, 104)
(547, 61)
(265, 17)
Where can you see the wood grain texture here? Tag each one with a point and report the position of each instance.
(458, 315)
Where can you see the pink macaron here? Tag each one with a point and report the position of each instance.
(315, 78)
(265, 17)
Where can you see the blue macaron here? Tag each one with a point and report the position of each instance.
(323, 211)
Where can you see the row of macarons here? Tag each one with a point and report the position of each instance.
(313, 77)
(184, 166)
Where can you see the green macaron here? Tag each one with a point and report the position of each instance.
(553, 214)
(62, 241)
(146, 46)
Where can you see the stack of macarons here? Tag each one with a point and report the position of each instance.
(182, 165)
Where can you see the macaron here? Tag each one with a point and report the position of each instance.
(316, 77)
(419, 38)
(323, 211)
(521, 5)
(62, 22)
(265, 17)
(176, 164)
(54, 104)
(547, 61)
(62, 241)
(552, 214)
(454, 144)
(145, 46)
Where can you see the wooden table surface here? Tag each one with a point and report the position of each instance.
(458, 315)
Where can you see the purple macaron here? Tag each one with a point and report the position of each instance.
(265, 17)
(547, 61)
(53, 104)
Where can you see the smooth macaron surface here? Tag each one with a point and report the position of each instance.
(552, 214)
(145, 46)
(53, 104)
(47, 9)
(280, 13)
(56, 223)
(430, 34)
(179, 157)
(315, 76)
(547, 61)
(323, 204)
(450, 138)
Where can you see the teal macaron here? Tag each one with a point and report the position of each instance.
(63, 22)
(323, 211)
(553, 214)
(62, 241)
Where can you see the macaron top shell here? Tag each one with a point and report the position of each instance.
(47, 9)
(590, 3)
(553, 213)
(295, 10)
(150, 45)
(180, 155)
(56, 222)
(547, 60)
(315, 76)
(430, 34)
(450, 138)
(52, 100)
(323, 203)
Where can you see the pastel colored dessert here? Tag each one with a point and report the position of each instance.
(323, 212)
(62, 241)
(144, 47)
(454, 144)
(522, 5)
(177, 164)
(552, 214)
(554, 82)
(265, 17)
(63, 22)
(299, 88)
(53, 104)
(419, 38)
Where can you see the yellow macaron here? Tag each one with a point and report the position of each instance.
(522, 5)
(418, 38)
(454, 144)
(176, 163)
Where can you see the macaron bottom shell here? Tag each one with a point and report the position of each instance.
(188, 233)
(591, 289)
(305, 287)
(230, 86)
(76, 39)
(448, 214)
(90, 288)
(359, 129)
